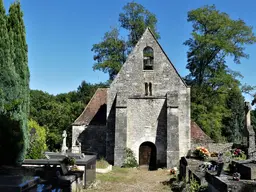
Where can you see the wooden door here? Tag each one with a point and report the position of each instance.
(145, 155)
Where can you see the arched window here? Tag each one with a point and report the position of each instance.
(148, 58)
(146, 89)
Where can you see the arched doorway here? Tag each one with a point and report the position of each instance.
(147, 155)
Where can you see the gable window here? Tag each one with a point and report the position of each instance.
(148, 58)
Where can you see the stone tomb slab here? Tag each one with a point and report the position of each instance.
(247, 169)
(17, 183)
(225, 183)
(197, 175)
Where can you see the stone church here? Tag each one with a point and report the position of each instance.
(146, 108)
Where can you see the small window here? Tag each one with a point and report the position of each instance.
(146, 89)
(150, 89)
(148, 58)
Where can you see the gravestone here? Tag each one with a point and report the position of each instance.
(248, 131)
(64, 147)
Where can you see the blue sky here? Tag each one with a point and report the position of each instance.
(60, 35)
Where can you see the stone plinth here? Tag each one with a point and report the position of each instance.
(188, 168)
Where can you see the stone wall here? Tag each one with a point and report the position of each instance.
(149, 117)
(213, 147)
(110, 134)
(93, 139)
(130, 83)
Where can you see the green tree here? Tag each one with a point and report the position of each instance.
(39, 100)
(7, 75)
(208, 110)
(217, 101)
(67, 97)
(56, 114)
(136, 18)
(110, 54)
(215, 36)
(37, 140)
(85, 91)
(13, 86)
(19, 55)
(234, 124)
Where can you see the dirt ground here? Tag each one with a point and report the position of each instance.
(132, 179)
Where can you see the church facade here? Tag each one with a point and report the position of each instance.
(146, 108)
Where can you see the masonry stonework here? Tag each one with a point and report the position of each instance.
(162, 118)
(148, 109)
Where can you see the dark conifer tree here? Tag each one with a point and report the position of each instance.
(14, 86)
(9, 103)
(19, 58)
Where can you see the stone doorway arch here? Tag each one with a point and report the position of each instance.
(147, 155)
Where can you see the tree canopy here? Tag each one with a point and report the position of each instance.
(112, 51)
(217, 101)
(135, 18)
(110, 54)
(57, 113)
(215, 36)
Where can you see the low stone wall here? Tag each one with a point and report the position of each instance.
(213, 147)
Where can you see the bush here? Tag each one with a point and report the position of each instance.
(194, 186)
(130, 160)
(102, 164)
(37, 140)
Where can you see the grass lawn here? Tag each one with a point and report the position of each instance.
(131, 179)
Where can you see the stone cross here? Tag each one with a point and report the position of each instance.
(64, 143)
(248, 109)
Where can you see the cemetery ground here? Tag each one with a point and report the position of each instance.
(132, 179)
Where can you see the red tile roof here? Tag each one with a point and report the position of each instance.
(197, 134)
(99, 98)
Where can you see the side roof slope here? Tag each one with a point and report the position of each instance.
(99, 98)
